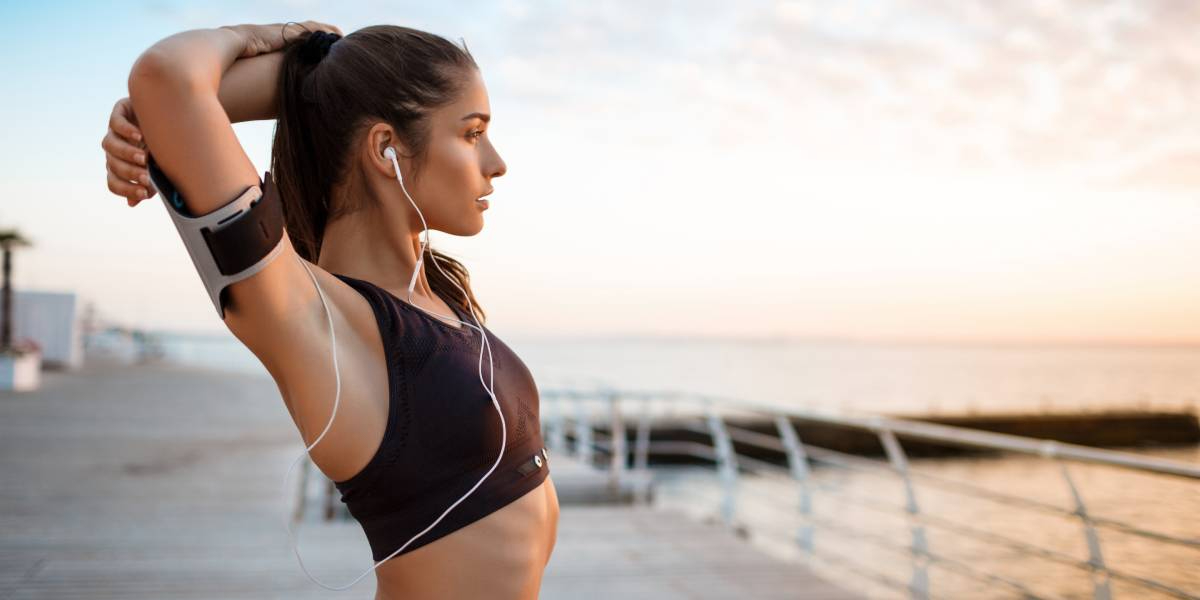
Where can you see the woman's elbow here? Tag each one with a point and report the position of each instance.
(154, 75)
(149, 69)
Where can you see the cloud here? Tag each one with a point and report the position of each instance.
(1067, 85)
(1050, 84)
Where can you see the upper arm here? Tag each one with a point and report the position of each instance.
(276, 310)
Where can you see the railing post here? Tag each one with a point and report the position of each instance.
(583, 433)
(302, 501)
(641, 453)
(798, 464)
(558, 427)
(1100, 577)
(919, 586)
(726, 463)
(617, 443)
(329, 492)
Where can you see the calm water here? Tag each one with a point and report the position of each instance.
(852, 377)
(906, 379)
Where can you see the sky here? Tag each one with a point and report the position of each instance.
(899, 169)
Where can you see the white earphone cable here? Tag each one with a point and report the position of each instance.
(484, 345)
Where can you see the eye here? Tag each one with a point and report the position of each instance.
(474, 135)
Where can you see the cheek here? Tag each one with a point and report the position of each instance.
(467, 159)
(456, 164)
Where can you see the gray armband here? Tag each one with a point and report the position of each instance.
(231, 243)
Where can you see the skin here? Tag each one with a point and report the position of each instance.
(381, 245)
(277, 313)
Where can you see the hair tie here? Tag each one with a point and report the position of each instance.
(316, 46)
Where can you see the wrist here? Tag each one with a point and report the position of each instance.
(233, 40)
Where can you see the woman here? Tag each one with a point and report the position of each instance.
(413, 429)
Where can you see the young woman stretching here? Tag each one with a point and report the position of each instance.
(414, 429)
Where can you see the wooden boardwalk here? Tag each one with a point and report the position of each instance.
(646, 554)
(166, 482)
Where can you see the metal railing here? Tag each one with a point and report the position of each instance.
(583, 412)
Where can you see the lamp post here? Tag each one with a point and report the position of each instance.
(9, 240)
(18, 365)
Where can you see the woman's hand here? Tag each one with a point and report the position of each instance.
(263, 39)
(124, 148)
(125, 155)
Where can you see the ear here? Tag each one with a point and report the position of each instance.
(378, 138)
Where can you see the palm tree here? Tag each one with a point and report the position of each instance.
(9, 240)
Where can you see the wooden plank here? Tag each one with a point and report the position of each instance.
(642, 553)
(157, 482)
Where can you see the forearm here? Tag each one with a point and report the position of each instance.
(208, 58)
(249, 89)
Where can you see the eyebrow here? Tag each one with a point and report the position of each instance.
(482, 116)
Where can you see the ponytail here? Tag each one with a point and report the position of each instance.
(300, 171)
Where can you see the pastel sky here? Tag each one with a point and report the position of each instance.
(891, 168)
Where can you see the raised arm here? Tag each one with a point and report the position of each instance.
(245, 94)
(175, 89)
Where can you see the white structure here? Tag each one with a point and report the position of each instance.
(52, 319)
(20, 374)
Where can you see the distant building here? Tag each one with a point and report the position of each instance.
(52, 319)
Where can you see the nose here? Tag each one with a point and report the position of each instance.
(500, 168)
(497, 168)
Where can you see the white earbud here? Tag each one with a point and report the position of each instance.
(390, 154)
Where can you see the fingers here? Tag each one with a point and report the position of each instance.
(122, 120)
(292, 31)
(125, 156)
(317, 25)
(122, 150)
(128, 172)
(133, 193)
(127, 162)
(128, 180)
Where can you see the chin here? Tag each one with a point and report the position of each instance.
(467, 229)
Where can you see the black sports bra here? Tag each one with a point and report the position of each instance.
(442, 431)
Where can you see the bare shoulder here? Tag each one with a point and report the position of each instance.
(294, 343)
(290, 332)
(277, 311)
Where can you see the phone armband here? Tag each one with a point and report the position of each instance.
(231, 243)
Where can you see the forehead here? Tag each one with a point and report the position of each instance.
(473, 98)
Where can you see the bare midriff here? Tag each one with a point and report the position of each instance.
(500, 557)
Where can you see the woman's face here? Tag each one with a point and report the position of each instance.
(460, 164)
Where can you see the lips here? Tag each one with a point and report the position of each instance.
(481, 201)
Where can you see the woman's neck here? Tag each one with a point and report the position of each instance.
(370, 248)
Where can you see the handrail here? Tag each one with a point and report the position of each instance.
(849, 461)
(708, 420)
(934, 432)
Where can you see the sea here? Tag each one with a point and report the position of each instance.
(858, 526)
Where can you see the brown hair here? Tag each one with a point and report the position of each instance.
(331, 93)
